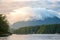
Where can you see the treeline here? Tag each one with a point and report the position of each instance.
(42, 29)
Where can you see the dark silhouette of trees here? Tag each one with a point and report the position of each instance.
(4, 27)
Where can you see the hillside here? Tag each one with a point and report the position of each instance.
(41, 29)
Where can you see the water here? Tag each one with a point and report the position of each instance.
(32, 37)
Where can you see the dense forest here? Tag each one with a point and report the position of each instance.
(41, 29)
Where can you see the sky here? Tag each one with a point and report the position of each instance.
(27, 10)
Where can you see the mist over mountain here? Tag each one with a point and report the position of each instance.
(53, 20)
(28, 16)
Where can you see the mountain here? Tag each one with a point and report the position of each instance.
(54, 20)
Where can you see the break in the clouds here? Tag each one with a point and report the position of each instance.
(29, 14)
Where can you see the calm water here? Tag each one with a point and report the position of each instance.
(32, 37)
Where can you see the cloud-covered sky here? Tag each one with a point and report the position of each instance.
(29, 14)
(23, 10)
(7, 6)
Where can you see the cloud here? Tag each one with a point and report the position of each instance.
(24, 0)
(11, 5)
(29, 14)
(15, 0)
(21, 14)
(53, 0)
(8, 5)
(25, 11)
(28, 0)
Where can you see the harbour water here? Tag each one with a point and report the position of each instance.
(32, 37)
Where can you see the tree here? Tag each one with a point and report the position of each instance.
(4, 27)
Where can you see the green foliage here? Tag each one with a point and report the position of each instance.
(42, 29)
(4, 27)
